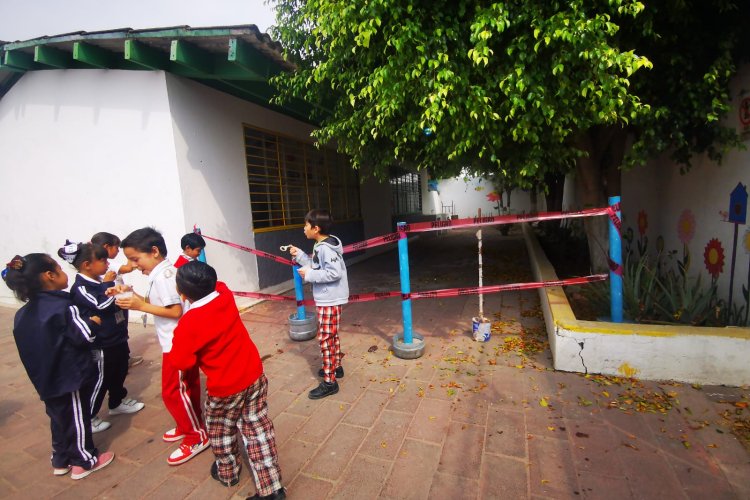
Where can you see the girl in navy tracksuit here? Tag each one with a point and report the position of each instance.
(110, 349)
(53, 340)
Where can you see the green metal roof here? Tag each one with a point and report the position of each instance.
(237, 60)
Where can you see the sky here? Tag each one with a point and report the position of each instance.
(25, 19)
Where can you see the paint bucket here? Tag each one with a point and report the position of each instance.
(480, 329)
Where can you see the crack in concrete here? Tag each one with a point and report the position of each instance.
(585, 370)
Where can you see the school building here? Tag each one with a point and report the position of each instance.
(171, 128)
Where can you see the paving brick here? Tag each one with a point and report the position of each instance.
(322, 421)
(334, 455)
(293, 455)
(595, 449)
(652, 474)
(610, 486)
(503, 477)
(407, 396)
(386, 436)
(364, 478)
(172, 488)
(279, 401)
(462, 451)
(309, 488)
(551, 471)
(431, 420)
(449, 486)
(367, 409)
(471, 408)
(506, 433)
(702, 483)
(413, 469)
(286, 425)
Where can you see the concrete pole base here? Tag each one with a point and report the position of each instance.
(413, 350)
(303, 329)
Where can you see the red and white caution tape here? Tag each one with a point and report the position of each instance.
(260, 253)
(432, 294)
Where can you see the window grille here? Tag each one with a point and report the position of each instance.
(287, 178)
(405, 195)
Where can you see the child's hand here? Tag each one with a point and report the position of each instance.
(126, 268)
(96, 319)
(302, 271)
(293, 250)
(114, 290)
(134, 302)
(109, 276)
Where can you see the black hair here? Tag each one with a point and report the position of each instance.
(144, 239)
(195, 280)
(192, 240)
(322, 218)
(103, 238)
(78, 253)
(22, 274)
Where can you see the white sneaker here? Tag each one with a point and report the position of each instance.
(127, 405)
(99, 425)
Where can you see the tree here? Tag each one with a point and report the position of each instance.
(523, 90)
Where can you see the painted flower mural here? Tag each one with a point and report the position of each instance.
(713, 256)
(493, 196)
(686, 226)
(642, 238)
(642, 222)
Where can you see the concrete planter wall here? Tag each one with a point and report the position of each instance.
(652, 352)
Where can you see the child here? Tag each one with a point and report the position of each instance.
(110, 349)
(53, 341)
(327, 273)
(112, 244)
(180, 390)
(211, 335)
(192, 244)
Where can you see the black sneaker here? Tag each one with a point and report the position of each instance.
(323, 390)
(339, 372)
(276, 495)
(215, 475)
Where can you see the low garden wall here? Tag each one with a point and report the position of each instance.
(702, 355)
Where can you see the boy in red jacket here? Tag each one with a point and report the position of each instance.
(211, 335)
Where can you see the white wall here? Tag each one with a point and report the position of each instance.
(663, 193)
(468, 194)
(210, 150)
(86, 151)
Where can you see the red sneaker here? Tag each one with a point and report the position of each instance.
(102, 461)
(171, 436)
(185, 452)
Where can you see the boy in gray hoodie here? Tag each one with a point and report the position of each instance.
(326, 271)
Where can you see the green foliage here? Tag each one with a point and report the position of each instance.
(655, 292)
(508, 88)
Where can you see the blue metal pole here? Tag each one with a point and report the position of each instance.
(299, 293)
(615, 254)
(403, 266)
(202, 255)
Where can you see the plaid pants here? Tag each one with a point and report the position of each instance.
(328, 336)
(247, 411)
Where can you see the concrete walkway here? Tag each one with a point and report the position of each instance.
(465, 421)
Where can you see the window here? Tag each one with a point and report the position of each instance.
(405, 194)
(287, 178)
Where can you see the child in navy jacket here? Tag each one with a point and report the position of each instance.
(53, 340)
(110, 349)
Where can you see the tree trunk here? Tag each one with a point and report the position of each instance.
(598, 177)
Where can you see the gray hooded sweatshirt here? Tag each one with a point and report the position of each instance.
(327, 272)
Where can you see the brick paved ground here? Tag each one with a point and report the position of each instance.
(467, 420)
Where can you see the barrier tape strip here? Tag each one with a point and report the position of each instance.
(436, 225)
(431, 294)
(252, 250)
(372, 242)
(610, 211)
